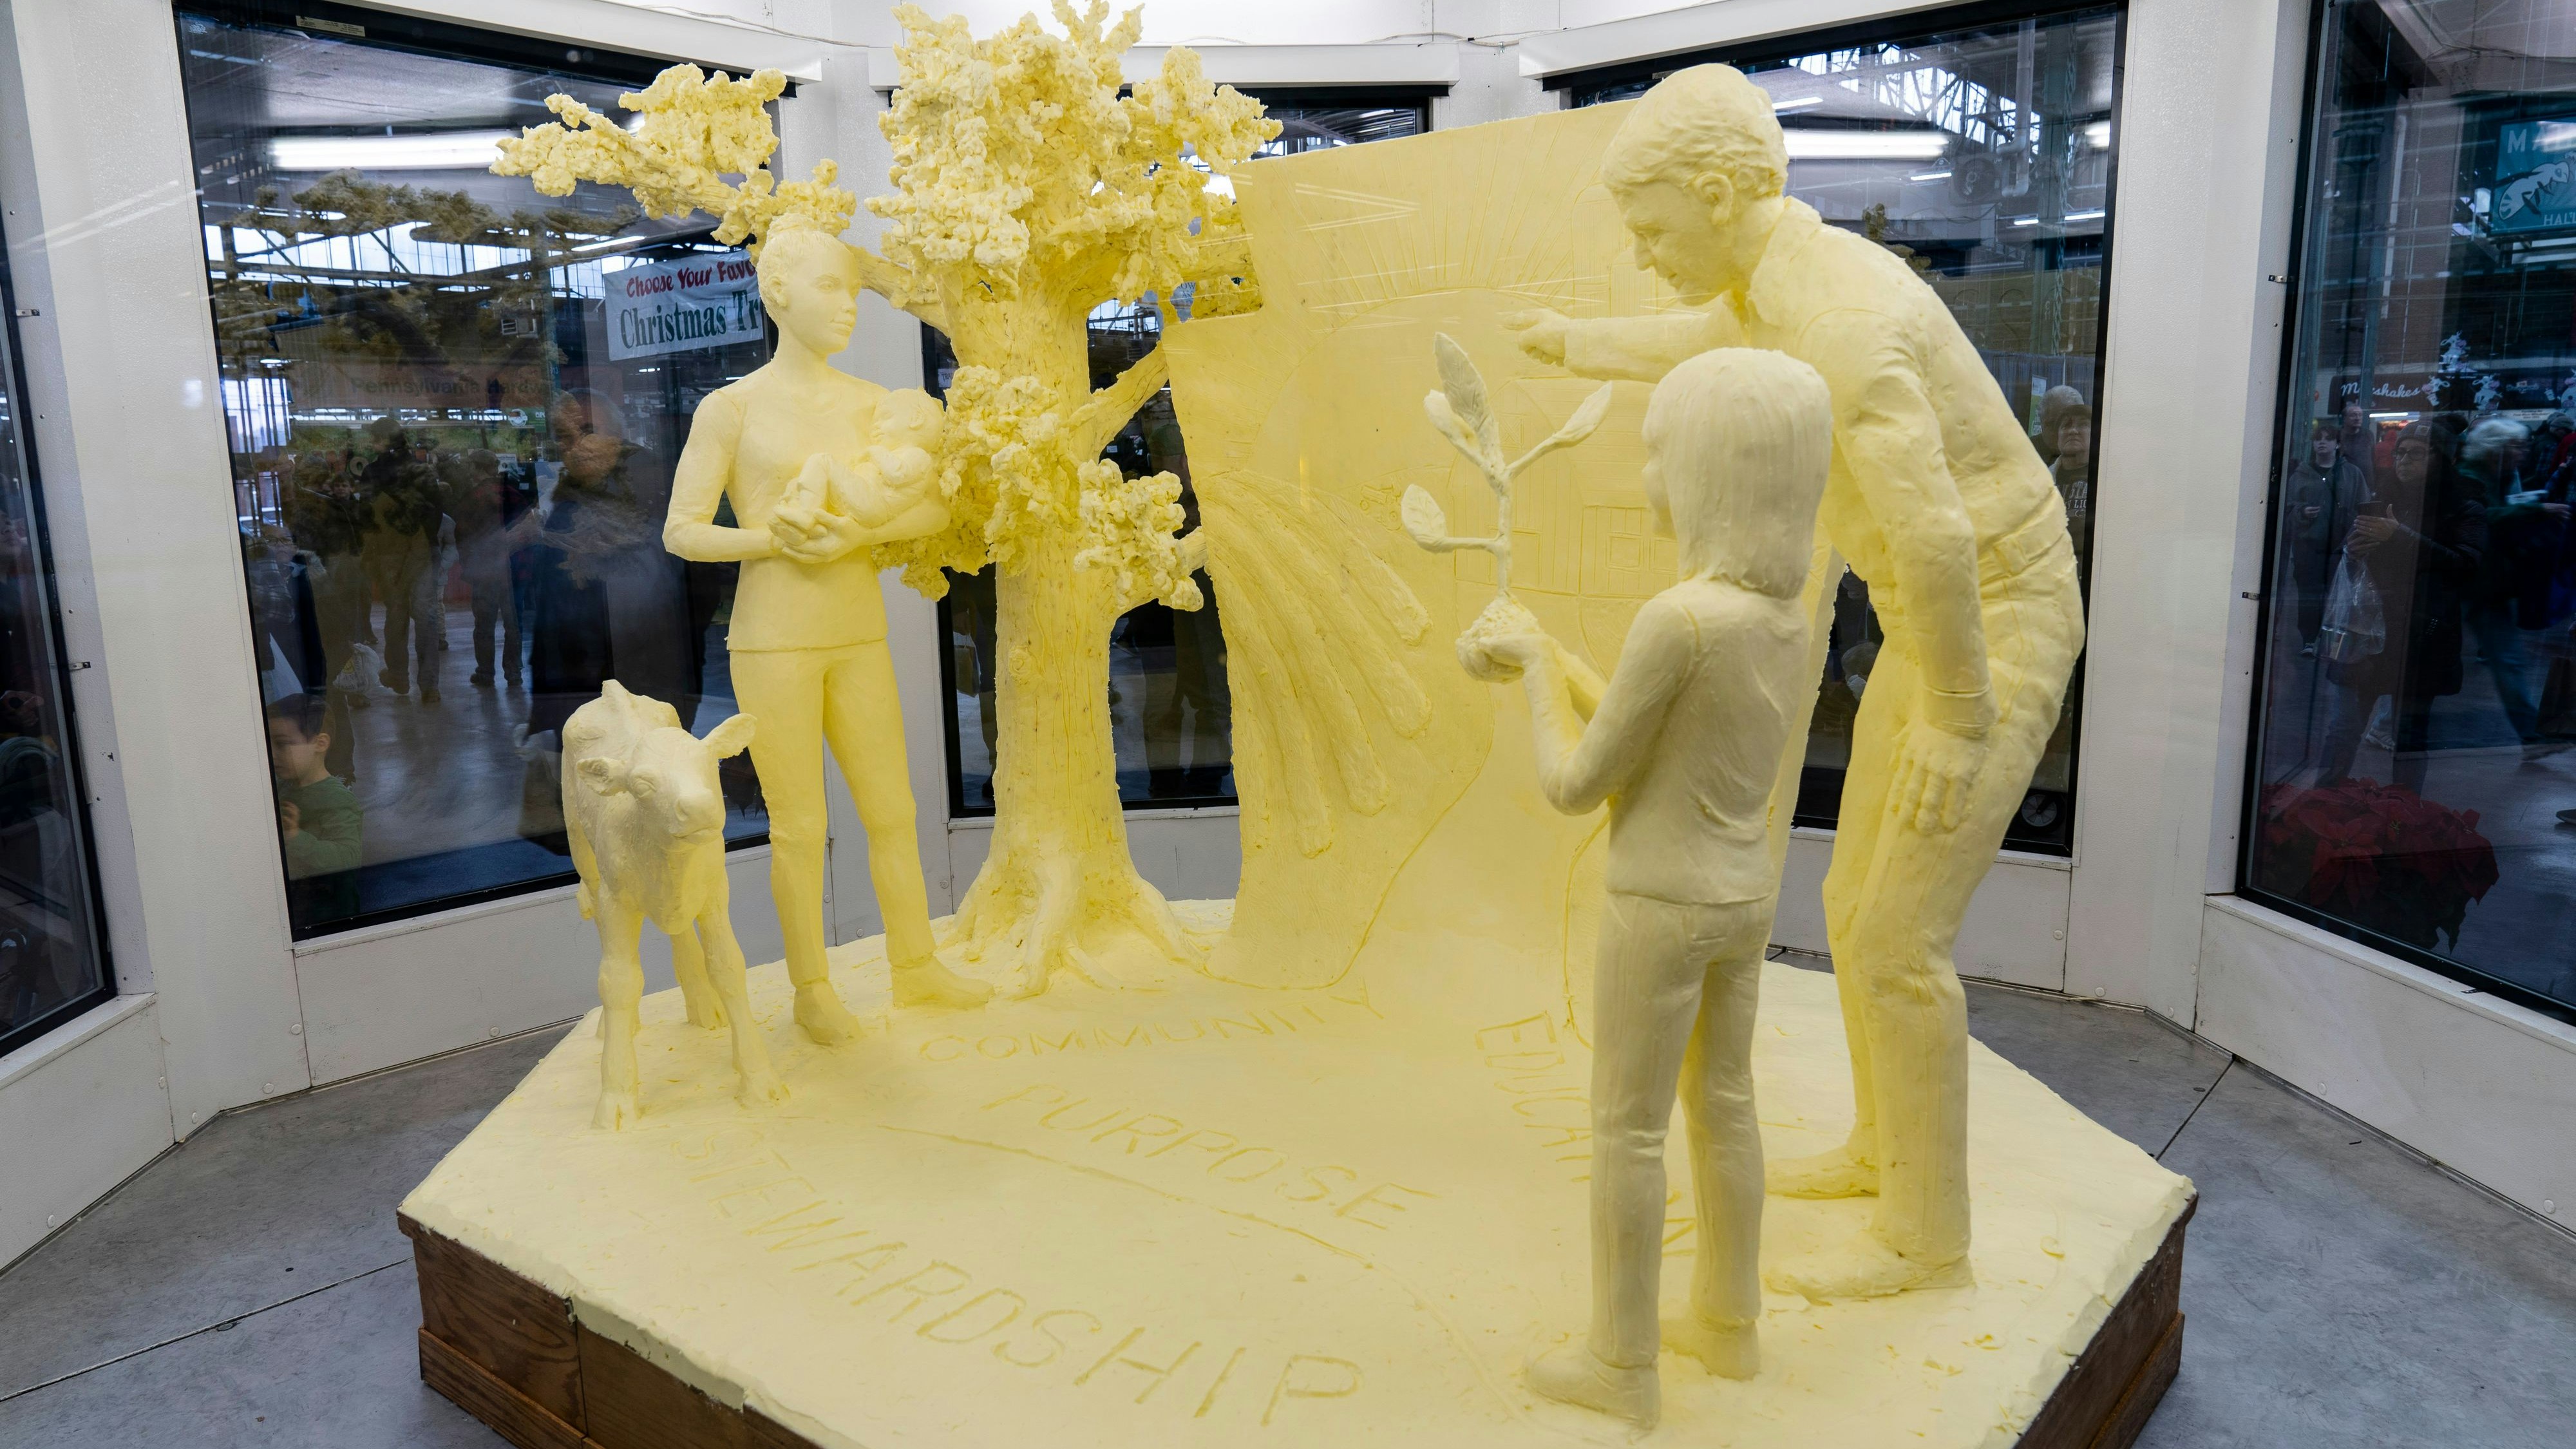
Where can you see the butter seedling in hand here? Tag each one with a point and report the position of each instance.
(1462, 412)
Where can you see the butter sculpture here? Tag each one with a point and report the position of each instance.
(1939, 502)
(1463, 412)
(1683, 743)
(1027, 190)
(645, 814)
(1415, 927)
(788, 445)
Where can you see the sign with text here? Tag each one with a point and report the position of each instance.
(2535, 187)
(709, 300)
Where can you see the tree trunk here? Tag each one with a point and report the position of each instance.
(1059, 885)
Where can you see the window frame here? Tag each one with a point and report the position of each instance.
(1897, 29)
(74, 757)
(2294, 315)
(447, 40)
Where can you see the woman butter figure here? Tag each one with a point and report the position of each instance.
(1684, 742)
(809, 627)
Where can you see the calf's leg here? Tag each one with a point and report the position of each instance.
(758, 1082)
(621, 991)
(689, 963)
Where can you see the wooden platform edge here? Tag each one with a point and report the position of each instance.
(624, 1401)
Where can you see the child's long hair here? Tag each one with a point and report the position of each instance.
(1742, 439)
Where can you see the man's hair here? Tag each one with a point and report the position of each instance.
(791, 241)
(1742, 438)
(304, 711)
(1707, 118)
(2490, 436)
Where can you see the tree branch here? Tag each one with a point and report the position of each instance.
(1193, 558)
(894, 282)
(1227, 256)
(1099, 419)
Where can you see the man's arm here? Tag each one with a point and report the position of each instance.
(1890, 439)
(1624, 349)
(698, 485)
(1579, 767)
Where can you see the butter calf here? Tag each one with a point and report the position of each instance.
(645, 814)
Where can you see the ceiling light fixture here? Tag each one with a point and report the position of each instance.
(1866, 145)
(432, 151)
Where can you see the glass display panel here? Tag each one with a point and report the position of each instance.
(1980, 150)
(1170, 715)
(454, 407)
(53, 952)
(2415, 748)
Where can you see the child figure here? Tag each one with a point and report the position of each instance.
(319, 821)
(897, 471)
(1685, 742)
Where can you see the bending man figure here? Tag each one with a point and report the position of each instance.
(1939, 502)
(809, 627)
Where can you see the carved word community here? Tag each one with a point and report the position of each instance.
(888, 1283)
(1115, 1131)
(1289, 1020)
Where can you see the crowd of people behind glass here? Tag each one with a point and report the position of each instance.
(2426, 558)
(379, 528)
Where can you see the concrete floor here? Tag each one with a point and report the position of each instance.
(250, 1288)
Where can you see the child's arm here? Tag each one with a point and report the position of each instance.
(1579, 767)
(326, 839)
(1580, 680)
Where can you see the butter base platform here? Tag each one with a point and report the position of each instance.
(1221, 1214)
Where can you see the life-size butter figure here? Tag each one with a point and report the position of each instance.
(809, 627)
(1938, 501)
(1684, 743)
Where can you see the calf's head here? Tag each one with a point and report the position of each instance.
(672, 778)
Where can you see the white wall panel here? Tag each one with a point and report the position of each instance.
(2208, 139)
(85, 1107)
(130, 441)
(2473, 1082)
(2015, 930)
(378, 998)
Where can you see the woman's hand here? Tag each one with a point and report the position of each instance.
(2369, 533)
(829, 539)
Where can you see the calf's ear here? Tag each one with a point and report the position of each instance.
(732, 737)
(604, 777)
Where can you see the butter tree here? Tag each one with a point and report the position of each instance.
(1026, 192)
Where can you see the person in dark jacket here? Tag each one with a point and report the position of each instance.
(2325, 492)
(2421, 541)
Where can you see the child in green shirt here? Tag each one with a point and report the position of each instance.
(318, 818)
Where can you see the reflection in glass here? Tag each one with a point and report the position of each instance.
(52, 952)
(1171, 717)
(1983, 157)
(2416, 748)
(454, 408)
